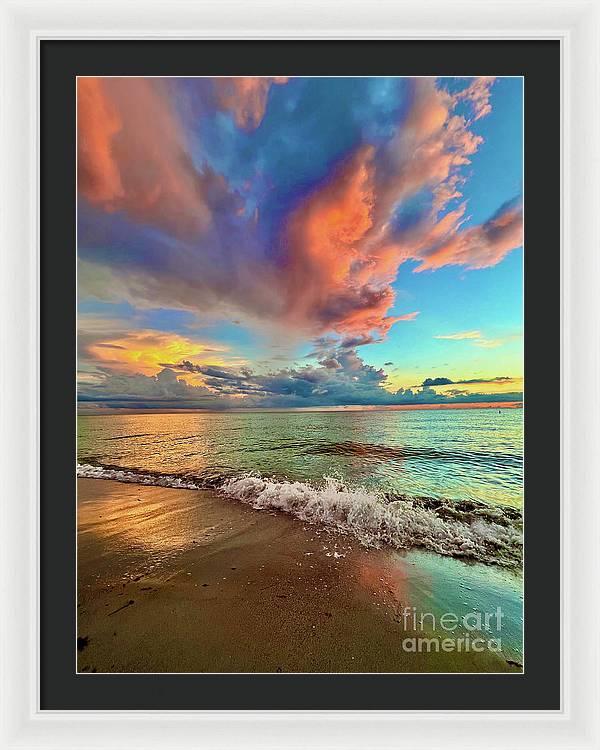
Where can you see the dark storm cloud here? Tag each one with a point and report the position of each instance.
(341, 378)
(437, 381)
(473, 381)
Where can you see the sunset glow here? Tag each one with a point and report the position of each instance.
(299, 242)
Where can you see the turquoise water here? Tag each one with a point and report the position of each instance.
(471, 454)
(446, 481)
(431, 485)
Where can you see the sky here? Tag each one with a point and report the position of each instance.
(299, 242)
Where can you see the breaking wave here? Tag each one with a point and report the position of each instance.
(469, 529)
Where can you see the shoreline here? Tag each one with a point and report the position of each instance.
(96, 411)
(179, 580)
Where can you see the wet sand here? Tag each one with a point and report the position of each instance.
(176, 580)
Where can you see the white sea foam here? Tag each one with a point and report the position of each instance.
(375, 521)
(486, 533)
(87, 471)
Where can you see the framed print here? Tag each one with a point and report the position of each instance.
(296, 439)
(268, 480)
(239, 355)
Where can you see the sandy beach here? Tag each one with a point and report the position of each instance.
(174, 580)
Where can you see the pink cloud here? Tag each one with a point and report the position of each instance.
(427, 151)
(479, 246)
(334, 280)
(339, 250)
(245, 98)
(342, 248)
(132, 156)
(98, 121)
(478, 94)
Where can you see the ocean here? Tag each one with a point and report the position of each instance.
(449, 481)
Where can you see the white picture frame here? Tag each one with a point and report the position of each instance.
(576, 23)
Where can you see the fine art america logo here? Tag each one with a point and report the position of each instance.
(475, 631)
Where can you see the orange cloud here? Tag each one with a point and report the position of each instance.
(334, 279)
(132, 155)
(327, 228)
(476, 247)
(145, 351)
(426, 152)
(245, 98)
(407, 316)
(478, 94)
(98, 122)
(342, 248)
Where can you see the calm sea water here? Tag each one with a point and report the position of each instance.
(434, 484)
(471, 454)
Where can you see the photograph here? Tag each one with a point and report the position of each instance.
(300, 374)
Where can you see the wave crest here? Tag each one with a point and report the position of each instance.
(489, 536)
(466, 529)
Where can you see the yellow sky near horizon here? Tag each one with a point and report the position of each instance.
(147, 351)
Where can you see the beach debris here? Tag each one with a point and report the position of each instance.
(82, 642)
(514, 663)
(124, 606)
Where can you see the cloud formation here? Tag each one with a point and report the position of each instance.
(478, 93)
(245, 98)
(161, 224)
(293, 209)
(111, 345)
(133, 157)
(343, 379)
(475, 247)
(343, 247)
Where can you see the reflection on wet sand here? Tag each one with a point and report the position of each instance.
(178, 580)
